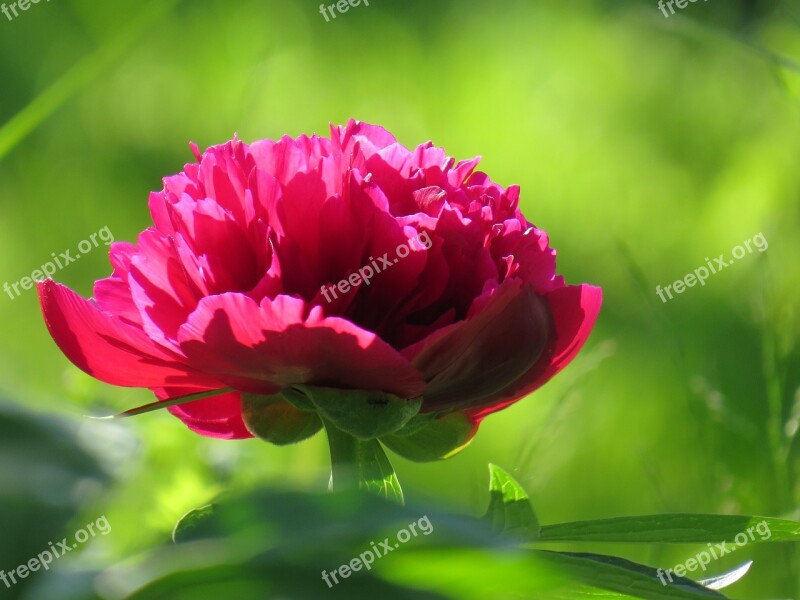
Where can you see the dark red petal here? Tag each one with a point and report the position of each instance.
(574, 310)
(488, 351)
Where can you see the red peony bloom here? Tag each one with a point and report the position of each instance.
(349, 263)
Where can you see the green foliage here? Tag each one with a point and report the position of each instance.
(676, 529)
(46, 479)
(267, 542)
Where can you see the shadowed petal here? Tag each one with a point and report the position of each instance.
(574, 310)
(486, 353)
(265, 348)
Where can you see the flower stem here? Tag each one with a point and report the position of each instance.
(360, 464)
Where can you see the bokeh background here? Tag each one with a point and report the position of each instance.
(642, 144)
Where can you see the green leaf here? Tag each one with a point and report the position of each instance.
(427, 438)
(48, 476)
(273, 419)
(510, 509)
(623, 576)
(366, 415)
(191, 521)
(269, 544)
(658, 575)
(676, 529)
(256, 581)
(471, 574)
(276, 544)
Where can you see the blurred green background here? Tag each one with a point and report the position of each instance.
(642, 144)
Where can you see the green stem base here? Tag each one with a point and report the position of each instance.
(360, 464)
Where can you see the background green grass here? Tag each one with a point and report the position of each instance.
(642, 145)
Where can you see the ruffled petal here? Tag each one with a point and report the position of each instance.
(268, 347)
(109, 349)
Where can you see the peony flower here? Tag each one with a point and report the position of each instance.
(312, 279)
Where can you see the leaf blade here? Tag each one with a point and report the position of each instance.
(510, 510)
(679, 528)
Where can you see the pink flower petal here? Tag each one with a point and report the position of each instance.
(217, 416)
(109, 349)
(265, 348)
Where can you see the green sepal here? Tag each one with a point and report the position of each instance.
(427, 438)
(366, 415)
(277, 421)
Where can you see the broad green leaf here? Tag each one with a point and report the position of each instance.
(269, 544)
(659, 575)
(510, 509)
(273, 419)
(477, 574)
(366, 415)
(47, 478)
(256, 581)
(276, 544)
(623, 576)
(431, 439)
(707, 586)
(676, 529)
